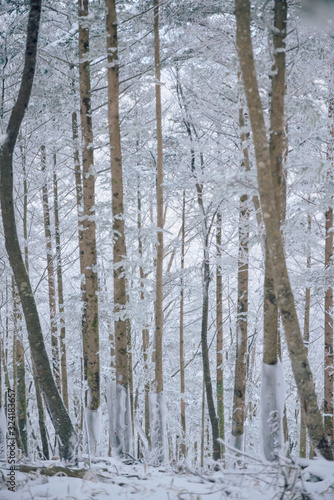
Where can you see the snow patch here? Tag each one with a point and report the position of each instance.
(271, 413)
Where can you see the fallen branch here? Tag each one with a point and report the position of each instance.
(53, 471)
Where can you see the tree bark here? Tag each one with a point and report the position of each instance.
(284, 295)
(63, 364)
(328, 348)
(182, 379)
(203, 423)
(206, 276)
(302, 438)
(145, 330)
(276, 147)
(121, 323)
(39, 401)
(60, 419)
(239, 393)
(51, 277)
(160, 242)
(78, 189)
(90, 321)
(19, 385)
(219, 327)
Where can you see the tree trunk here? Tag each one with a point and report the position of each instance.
(39, 401)
(205, 354)
(203, 423)
(145, 330)
(272, 377)
(302, 443)
(123, 427)
(51, 278)
(239, 394)
(78, 189)
(60, 419)
(90, 320)
(63, 364)
(206, 276)
(182, 381)
(160, 246)
(19, 385)
(328, 352)
(219, 326)
(284, 296)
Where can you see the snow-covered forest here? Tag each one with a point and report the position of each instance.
(166, 249)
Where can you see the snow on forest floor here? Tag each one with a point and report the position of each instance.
(110, 479)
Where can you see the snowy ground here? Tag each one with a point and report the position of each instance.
(110, 479)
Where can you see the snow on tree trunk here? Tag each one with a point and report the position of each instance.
(120, 423)
(272, 409)
(157, 408)
(92, 431)
(237, 442)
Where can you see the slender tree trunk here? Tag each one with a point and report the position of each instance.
(145, 330)
(203, 424)
(90, 320)
(57, 411)
(302, 444)
(239, 394)
(121, 324)
(78, 189)
(39, 401)
(284, 296)
(19, 386)
(130, 372)
(25, 210)
(328, 352)
(51, 279)
(160, 244)
(63, 363)
(205, 353)
(214, 420)
(219, 326)
(182, 380)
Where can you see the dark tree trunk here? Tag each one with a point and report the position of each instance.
(58, 414)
